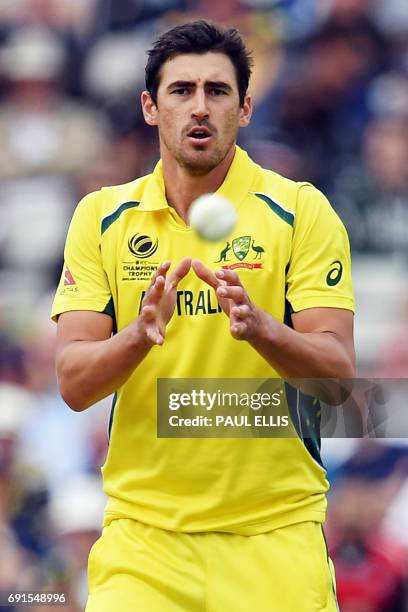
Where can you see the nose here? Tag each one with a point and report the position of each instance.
(200, 107)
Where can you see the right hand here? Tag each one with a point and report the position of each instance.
(160, 301)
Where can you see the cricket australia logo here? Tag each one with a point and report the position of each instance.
(241, 247)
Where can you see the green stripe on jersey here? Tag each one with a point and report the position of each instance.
(107, 221)
(281, 212)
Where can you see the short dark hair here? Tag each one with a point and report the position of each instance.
(199, 37)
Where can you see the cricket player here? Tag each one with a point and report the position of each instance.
(198, 524)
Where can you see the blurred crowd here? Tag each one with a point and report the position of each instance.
(330, 89)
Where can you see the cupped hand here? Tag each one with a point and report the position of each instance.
(245, 317)
(159, 301)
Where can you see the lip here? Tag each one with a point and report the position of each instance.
(199, 129)
(199, 141)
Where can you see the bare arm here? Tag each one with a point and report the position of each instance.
(320, 345)
(91, 363)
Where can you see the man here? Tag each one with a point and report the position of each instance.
(203, 524)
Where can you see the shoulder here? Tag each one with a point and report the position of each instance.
(312, 206)
(281, 189)
(294, 194)
(283, 195)
(297, 196)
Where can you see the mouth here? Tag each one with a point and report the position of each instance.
(199, 134)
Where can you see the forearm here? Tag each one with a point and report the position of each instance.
(295, 354)
(88, 371)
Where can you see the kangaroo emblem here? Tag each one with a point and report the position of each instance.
(223, 254)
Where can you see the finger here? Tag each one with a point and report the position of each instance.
(205, 273)
(179, 272)
(149, 325)
(161, 271)
(241, 312)
(232, 292)
(154, 336)
(229, 276)
(239, 330)
(155, 291)
(148, 313)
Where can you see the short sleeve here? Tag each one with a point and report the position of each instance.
(319, 271)
(84, 284)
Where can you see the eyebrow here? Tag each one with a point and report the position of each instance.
(213, 84)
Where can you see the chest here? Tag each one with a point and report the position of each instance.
(258, 250)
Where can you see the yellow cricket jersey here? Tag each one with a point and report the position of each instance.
(291, 252)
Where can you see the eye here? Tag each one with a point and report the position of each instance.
(181, 91)
(216, 91)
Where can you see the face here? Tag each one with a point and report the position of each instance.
(198, 112)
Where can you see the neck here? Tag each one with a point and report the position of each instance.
(182, 188)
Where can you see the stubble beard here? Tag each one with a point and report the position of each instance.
(199, 162)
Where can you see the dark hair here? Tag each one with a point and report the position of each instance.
(199, 37)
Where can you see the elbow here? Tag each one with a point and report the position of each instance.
(72, 400)
(75, 405)
(68, 388)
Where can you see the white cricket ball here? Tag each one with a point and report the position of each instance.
(212, 216)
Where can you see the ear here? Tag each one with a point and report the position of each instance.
(149, 108)
(245, 112)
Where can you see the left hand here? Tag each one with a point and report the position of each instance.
(245, 317)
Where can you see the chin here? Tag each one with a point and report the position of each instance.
(201, 162)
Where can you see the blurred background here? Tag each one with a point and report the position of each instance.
(330, 88)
